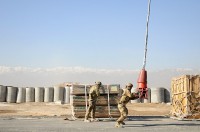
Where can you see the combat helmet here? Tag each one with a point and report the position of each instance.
(98, 83)
(129, 85)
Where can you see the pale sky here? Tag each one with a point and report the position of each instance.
(100, 34)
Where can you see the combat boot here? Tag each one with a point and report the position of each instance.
(86, 120)
(123, 123)
(118, 125)
(94, 120)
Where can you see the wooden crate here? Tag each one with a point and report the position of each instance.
(185, 92)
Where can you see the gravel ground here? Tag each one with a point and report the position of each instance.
(49, 117)
(141, 124)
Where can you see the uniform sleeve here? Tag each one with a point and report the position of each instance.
(97, 92)
(134, 96)
(128, 93)
(91, 90)
(124, 92)
(125, 96)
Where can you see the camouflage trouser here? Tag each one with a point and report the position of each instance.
(91, 109)
(123, 111)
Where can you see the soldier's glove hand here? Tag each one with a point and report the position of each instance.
(135, 96)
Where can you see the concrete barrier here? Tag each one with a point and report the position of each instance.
(67, 95)
(30, 94)
(11, 94)
(149, 97)
(48, 94)
(3, 93)
(21, 95)
(157, 95)
(167, 96)
(39, 94)
(59, 94)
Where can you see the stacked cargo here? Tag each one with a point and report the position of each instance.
(185, 92)
(106, 105)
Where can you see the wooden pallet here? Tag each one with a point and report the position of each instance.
(101, 111)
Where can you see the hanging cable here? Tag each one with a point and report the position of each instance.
(146, 37)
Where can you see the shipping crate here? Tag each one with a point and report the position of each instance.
(185, 92)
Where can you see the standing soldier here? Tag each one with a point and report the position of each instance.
(93, 95)
(126, 97)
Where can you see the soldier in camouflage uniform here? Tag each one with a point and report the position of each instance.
(93, 95)
(126, 97)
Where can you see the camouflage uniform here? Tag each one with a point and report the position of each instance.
(93, 95)
(126, 97)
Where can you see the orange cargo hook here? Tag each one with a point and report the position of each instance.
(142, 84)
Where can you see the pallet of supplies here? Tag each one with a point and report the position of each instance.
(106, 105)
(185, 92)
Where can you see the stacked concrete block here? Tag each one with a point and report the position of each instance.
(48, 94)
(11, 94)
(39, 94)
(21, 95)
(3, 92)
(30, 94)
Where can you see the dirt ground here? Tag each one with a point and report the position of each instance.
(56, 110)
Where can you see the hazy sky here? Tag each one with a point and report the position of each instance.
(99, 34)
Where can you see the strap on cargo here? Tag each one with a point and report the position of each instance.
(86, 101)
(109, 102)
